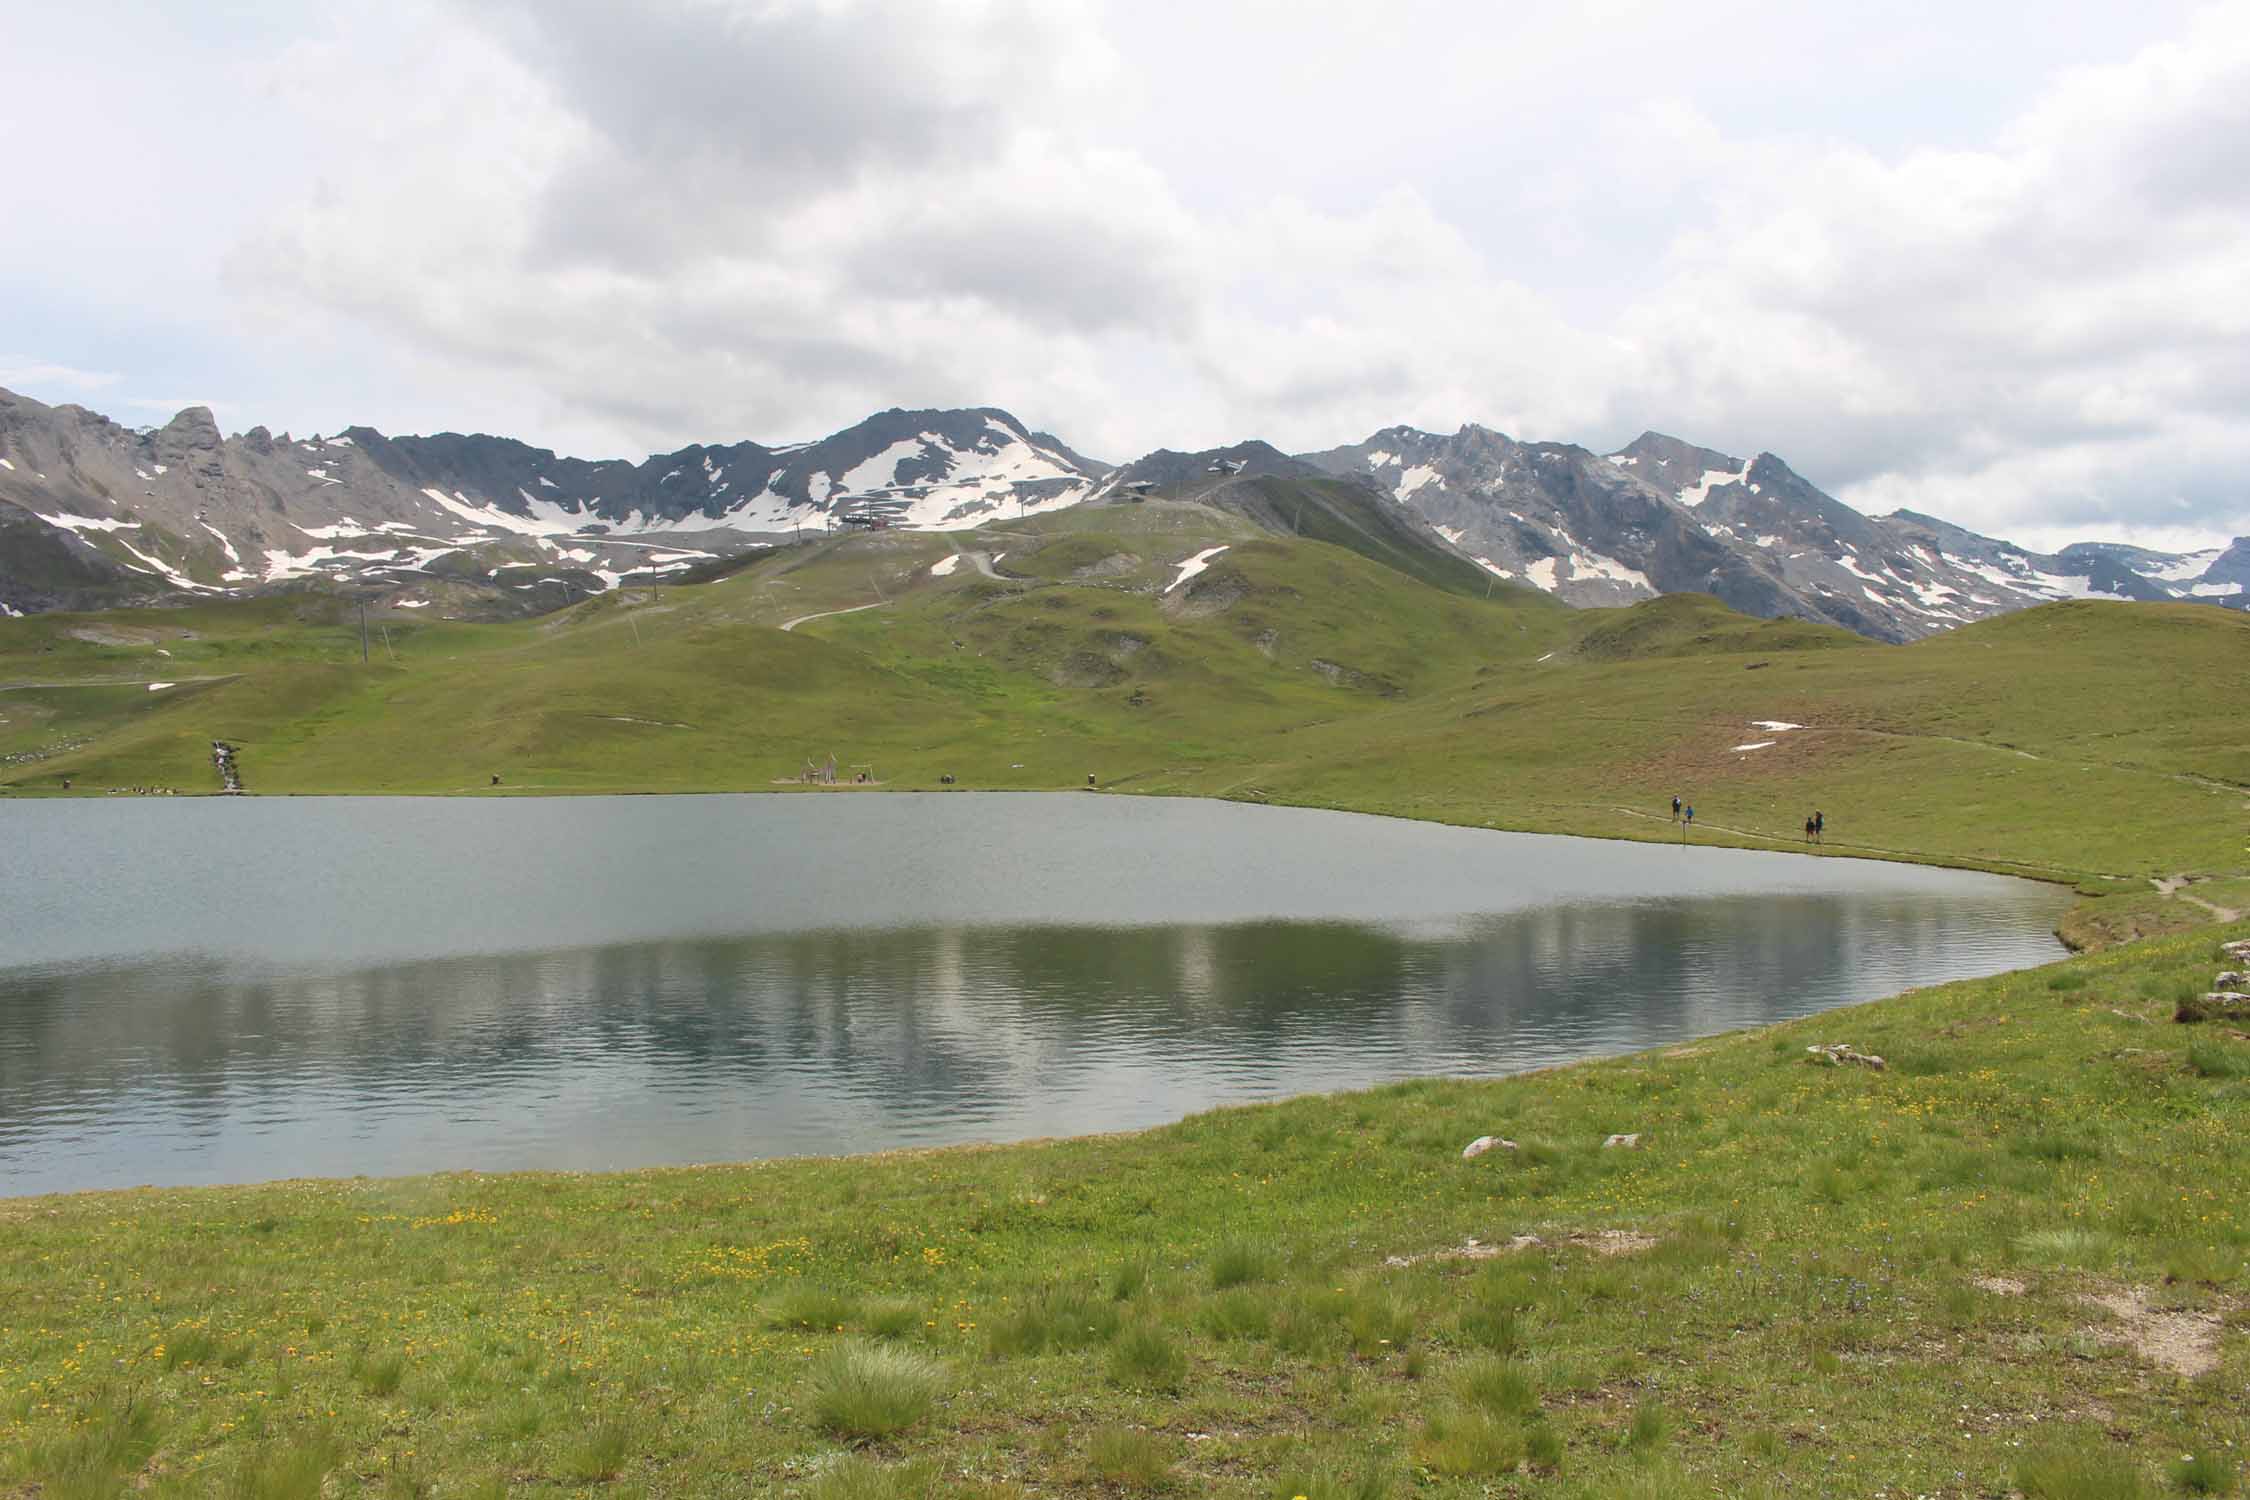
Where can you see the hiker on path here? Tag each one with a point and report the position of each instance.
(1819, 826)
(1675, 809)
(1690, 819)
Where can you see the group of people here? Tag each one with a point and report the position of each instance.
(1816, 826)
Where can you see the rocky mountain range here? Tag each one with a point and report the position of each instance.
(94, 514)
(479, 524)
(1662, 516)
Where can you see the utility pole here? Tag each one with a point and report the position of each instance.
(363, 635)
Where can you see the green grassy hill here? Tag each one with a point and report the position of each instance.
(2095, 743)
(2009, 1263)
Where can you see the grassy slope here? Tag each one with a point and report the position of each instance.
(1817, 1327)
(1859, 1283)
(2095, 743)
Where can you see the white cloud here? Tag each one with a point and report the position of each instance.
(19, 373)
(1924, 266)
(2049, 330)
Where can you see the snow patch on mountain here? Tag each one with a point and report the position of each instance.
(1193, 566)
(1695, 494)
(1412, 480)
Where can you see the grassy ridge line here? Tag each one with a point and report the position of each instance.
(1979, 1271)
(2094, 742)
(2098, 744)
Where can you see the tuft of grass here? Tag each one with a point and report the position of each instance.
(1309, 1323)
(1542, 1446)
(893, 1318)
(1128, 1457)
(1469, 1440)
(2203, 1473)
(95, 1457)
(1650, 1426)
(874, 1390)
(1378, 1323)
(854, 1477)
(2218, 1060)
(1240, 1262)
(1498, 1385)
(1243, 1313)
(1052, 1320)
(2085, 1249)
(518, 1419)
(2077, 1469)
(599, 1454)
(2057, 1147)
(1127, 1279)
(283, 1470)
(189, 1347)
(1370, 1483)
(380, 1374)
(812, 1309)
(1146, 1357)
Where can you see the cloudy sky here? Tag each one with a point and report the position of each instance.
(1986, 260)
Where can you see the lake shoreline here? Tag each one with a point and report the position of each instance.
(378, 985)
(1707, 835)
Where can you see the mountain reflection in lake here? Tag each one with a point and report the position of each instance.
(183, 1068)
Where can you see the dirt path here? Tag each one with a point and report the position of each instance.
(2176, 889)
(789, 625)
(17, 687)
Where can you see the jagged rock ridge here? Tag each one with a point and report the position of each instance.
(133, 515)
(1663, 516)
(94, 514)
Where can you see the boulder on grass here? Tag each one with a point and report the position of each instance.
(1623, 1142)
(1839, 1053)
(2238, 950)
(2220, 1005)
(2231, 979)
(1484, 1143)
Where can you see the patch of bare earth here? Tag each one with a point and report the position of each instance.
(2186, 1343)
(2002, 1286)
(1599, 1241)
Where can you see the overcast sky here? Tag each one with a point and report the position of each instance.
(1990, 261)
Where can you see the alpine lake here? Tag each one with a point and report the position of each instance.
(218, 990)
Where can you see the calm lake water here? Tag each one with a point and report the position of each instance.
(233, 990)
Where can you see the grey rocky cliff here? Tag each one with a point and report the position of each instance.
(1661, 515)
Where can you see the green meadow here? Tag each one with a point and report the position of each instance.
(2012, 1261)
(2092, 743)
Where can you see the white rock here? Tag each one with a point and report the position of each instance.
(1484, 1143)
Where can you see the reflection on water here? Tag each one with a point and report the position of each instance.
(711, 1048)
